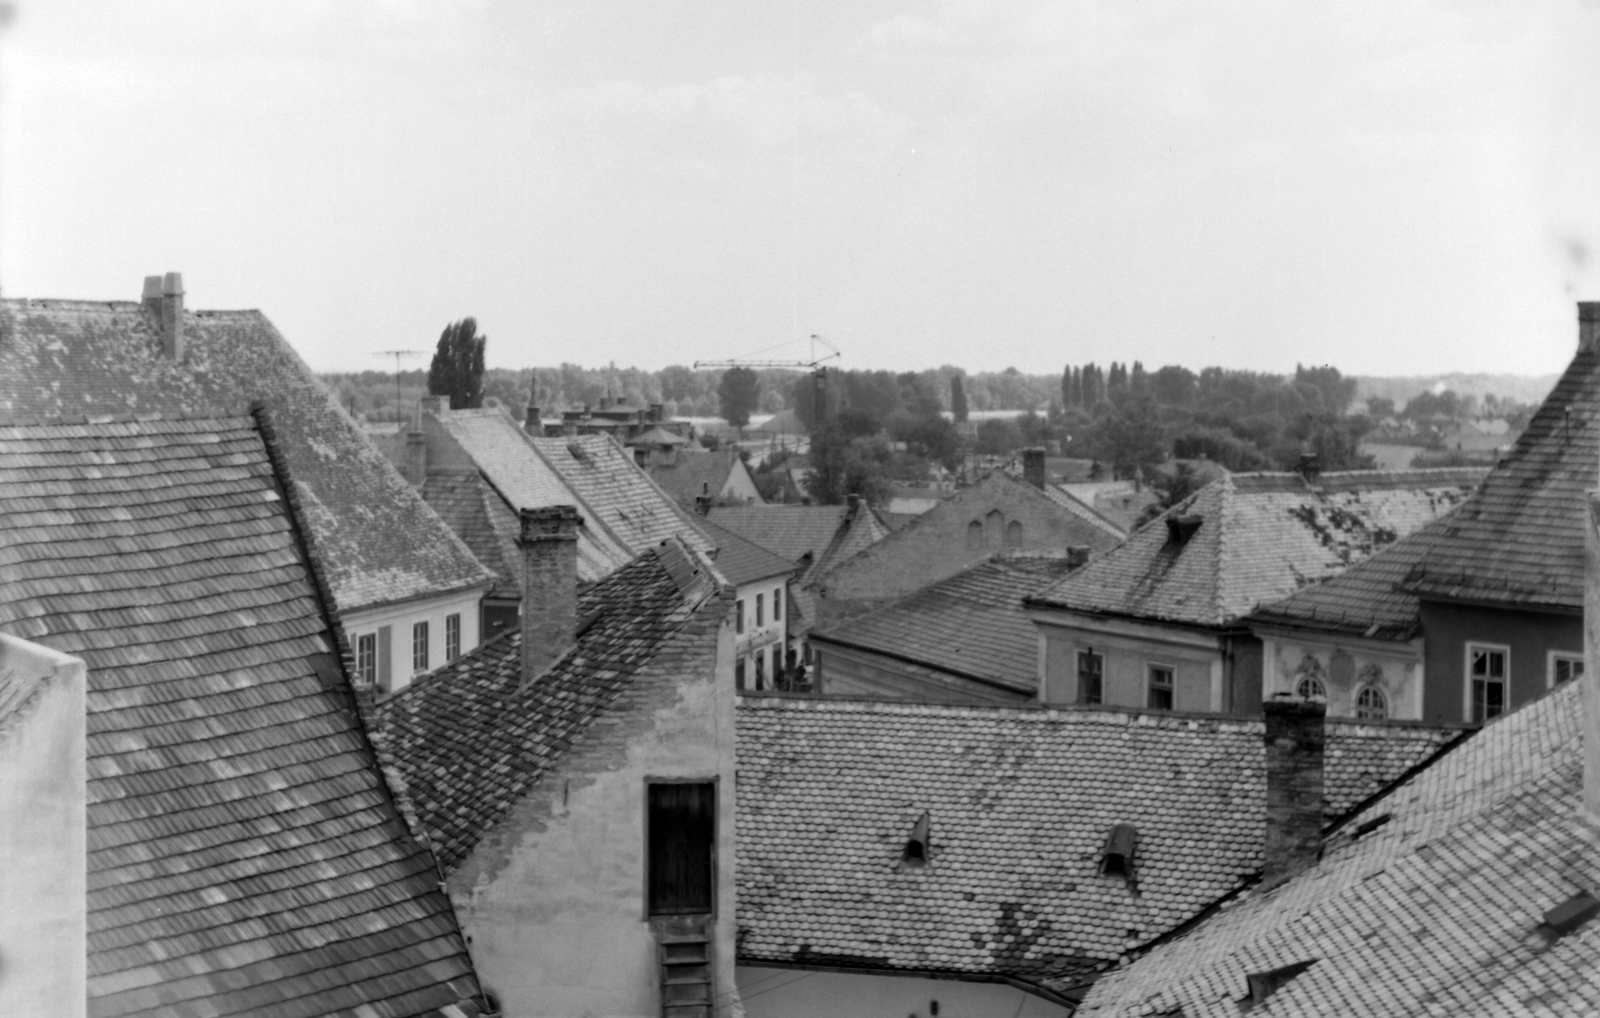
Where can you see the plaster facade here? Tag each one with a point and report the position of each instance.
(43, 884)
(760, 640)
(1345, 667)
(1530, 641)
(390, 627)
(802, 993)
(552, 899)
(1128, 650)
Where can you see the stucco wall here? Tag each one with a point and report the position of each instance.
(42, 832)
(800, 993)
(1128, 649)
(552, 900)
(1448, 628)
(1395, 668)
(400, 619)
(770, 639)
(935, 545)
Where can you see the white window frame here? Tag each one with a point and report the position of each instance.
(367, 666)
(1466, 676)
(1149, 684)
(452, 637)
(1561, 655)
(425, 645)
(1383, 694)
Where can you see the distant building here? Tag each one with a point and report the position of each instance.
(405, 587)
(764, 657)
(1160, 621)
(720, 476)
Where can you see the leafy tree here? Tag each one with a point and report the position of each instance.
(1129, 435)
(738, 395)
(1378, 406)
(958, 400)
(843, 465)
(457, 368)
(998, 436)
(1336, 390)
(930, 438)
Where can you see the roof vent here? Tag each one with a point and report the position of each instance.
(1181, 528)
(1366, 827)
(1265, 984)
(1116, 859)
(1569, 915)
(915, 854)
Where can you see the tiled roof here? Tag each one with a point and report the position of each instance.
(463, 744)
(1432, 913)
(1087, 513)
(693, 473)
(245, 856)
(827, 532)
(742, 562)
(1519, 539)
(480, 517)
(1364, 600)
(657, 436)
(1020, 802)
(379, 540)
(1261, 538)
(624, 514)
(972, 624)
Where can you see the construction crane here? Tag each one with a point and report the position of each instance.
(819, 373)
(397, 354)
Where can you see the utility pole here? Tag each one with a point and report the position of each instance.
(397, 355)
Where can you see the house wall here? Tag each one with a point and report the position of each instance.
(1399, 670)
(400, 618)
(936, 544)
(552, 900)
(768, 641)
(851, 671)
(43, 884)
(1531, 636)
(740, 486)
(801, 993)
(1128, 649)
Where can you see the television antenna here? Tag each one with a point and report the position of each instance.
(397, 355)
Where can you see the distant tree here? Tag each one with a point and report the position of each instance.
(457, 368)
(998, 437)
(1336, 390)
(1378, 406)
(1172, 488)
(843, 465)
(738, 395)
(958, 400)
(1129, 435)
(1173, 386)
(1139, 381)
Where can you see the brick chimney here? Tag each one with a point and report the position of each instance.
(162, 300)
(1589, 325)
(1591, 668)
(1033, 467)
(549, 541)
(416, 456)
(1294, 743)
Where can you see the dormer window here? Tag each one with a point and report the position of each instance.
(1265, 984)
(1116, 859)
(917, 849)
(1181, 528)
(1569, 915)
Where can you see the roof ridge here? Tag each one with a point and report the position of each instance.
(1113, 715)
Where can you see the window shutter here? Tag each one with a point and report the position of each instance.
(682, 836)
(383, 654)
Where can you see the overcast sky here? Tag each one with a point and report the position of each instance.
(1395, 187)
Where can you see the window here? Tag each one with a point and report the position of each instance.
(452, 637)
(777, 604)
(738, 674)
(1091, 667)
(760, 619)
(1486, 679)
(761, 669)
(419, 647)
(682, 822)
(1013, 534)
(1371, 704)
(367, 658)
(1564, 667)
(1310, 688)
(738, 616)
(974, 534)
(1160, 697)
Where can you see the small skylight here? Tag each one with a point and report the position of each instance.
(915, 854)
(1569, 915)
(1116, 859)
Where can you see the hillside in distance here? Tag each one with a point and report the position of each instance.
(1520, 388)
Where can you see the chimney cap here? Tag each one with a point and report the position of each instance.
(172, 285)
(550, 523)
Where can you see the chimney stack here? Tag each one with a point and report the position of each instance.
(1591, 676)
(658, 412)
(1077, 556)
(549, 541)
(1589, 325)
(531, 421)
(162, 300)
(1294, 743)
(416, 456)
(1033, 467)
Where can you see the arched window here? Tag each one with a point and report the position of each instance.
(994, 523)
(975, 534)
(1311, 679)
(1371, 704)
(1013, 534)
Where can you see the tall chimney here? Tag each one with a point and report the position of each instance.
(151, 298)
(1033, 467)
(1591, 668)
(416, 456)
(549, 541)
(1589, 325)
(171, 303)
(531, 422)
(1294, 743)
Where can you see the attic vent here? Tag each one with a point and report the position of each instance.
(1181, 528)
(1116, 859)
(915, 854)
(1366, 827)
(1569, 915)
(578, 452)
(1265, 984)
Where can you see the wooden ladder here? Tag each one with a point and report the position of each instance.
(683, 944)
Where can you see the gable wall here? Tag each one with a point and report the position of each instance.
(552, 900)
(936, 546)
(1128, 649)
(1448, 628)
(1398, 670)
(740, 486)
